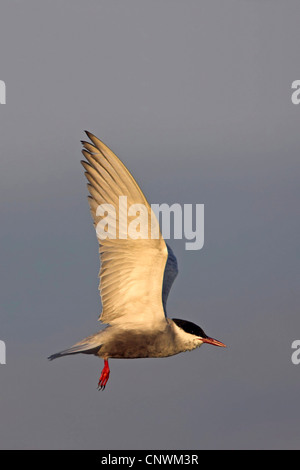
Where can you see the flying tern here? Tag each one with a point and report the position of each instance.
(136, 273)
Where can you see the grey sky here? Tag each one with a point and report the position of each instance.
(195, 98)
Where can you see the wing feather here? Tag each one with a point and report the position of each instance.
(170, 274)
(132, 270)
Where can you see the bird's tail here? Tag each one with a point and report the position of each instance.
(86, 346)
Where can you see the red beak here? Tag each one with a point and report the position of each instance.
(213, 341)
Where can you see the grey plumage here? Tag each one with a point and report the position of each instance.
(170, 274)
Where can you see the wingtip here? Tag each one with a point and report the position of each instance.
(96, 141)
(89, 134)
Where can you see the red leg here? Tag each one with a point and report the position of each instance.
(104, 376)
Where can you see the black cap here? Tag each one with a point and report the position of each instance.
(190, 327)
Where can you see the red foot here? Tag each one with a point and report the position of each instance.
(104, 376)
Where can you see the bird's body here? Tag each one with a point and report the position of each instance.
(137, 272)
(131, 341)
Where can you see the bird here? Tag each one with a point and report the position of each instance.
(136, 273)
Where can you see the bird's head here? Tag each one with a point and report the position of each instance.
(194, 335)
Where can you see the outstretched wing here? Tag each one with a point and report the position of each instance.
(171, 271)
(132, 269)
